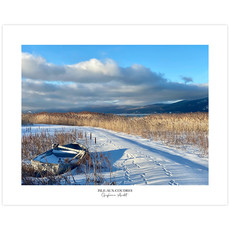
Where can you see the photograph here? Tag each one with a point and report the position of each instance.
(115, 114)
(115, 111)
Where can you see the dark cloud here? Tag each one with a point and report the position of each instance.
(46, 86)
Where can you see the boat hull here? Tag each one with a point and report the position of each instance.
(60, 159)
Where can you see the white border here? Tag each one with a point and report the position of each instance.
(16, 35)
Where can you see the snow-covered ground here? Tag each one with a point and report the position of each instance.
(139, 161)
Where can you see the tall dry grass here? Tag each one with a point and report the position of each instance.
(179, 130)
(92, 165)
(35, 144)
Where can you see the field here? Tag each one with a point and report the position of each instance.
(114, 158)
(177, 130)
(156, 149)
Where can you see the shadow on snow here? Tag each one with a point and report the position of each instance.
(175, 158)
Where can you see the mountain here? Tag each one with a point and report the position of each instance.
(185, 106)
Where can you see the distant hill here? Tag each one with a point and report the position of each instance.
(185, 106)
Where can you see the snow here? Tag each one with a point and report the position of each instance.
(139, 161)
(49, 159)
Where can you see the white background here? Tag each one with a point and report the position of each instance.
(166, 12)
(14, 36)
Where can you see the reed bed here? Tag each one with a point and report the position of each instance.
(93, 165)
(178, 130)
(35, 144)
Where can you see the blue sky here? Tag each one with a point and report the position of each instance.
(173, 61)
(81, 76)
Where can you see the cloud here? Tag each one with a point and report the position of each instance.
(88, 71)
(186, 79)
(46, 86)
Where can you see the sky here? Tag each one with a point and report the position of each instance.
(80, 76)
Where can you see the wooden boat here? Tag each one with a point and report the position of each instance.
(60, 158)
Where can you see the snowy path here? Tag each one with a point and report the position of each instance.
(140, 161)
